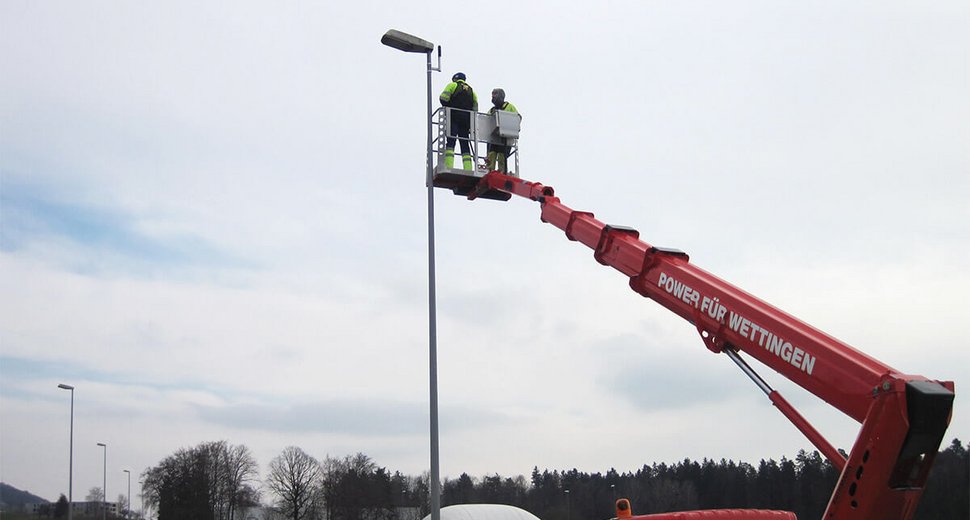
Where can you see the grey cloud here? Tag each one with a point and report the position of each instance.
(106, 237)
(351, 417)
(652, 377)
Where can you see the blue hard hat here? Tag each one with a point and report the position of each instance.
(458, 76)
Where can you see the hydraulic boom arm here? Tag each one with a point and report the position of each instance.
(903, 417)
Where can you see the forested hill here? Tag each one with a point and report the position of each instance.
(12, 496)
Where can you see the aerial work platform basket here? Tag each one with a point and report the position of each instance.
(499, 129)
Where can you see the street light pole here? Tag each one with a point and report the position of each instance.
(409, 43)
(141, 499)
(70, 460)
(432, 325)
(128, 505)
(104, 483)
(567, 505)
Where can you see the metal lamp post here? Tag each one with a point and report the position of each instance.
(141, 499)
(567, 504)
(409, 43)
(104, 483)
(70, 460)
(128, 505)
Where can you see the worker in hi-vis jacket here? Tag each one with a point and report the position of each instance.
(497, 153)
(459, 95)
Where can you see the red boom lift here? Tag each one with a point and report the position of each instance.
(903, 417)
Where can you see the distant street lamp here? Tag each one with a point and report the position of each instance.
(128, 505)
(567, 504)
(409, 43)
(70, 460)
(104, 483)
(141, 498)
(613, 488)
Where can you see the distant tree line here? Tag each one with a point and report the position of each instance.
(217, 481)
(803, 486)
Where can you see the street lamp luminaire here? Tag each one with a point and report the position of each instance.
(104, 483)
(128, 505)
(70, 460)
(409, 43)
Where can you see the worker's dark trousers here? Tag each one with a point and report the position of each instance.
(459, 131)
(497, 158)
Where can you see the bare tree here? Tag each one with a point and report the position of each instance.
(294, 477)
(207, 482)
(123, 505)
(233, 467)
(355, 487)
(95, 494)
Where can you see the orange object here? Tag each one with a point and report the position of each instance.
(623, 508)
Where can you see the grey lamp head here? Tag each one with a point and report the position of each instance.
(405, 42)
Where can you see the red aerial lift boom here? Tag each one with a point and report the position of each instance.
(903, 417)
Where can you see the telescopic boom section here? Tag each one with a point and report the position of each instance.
(904, 417)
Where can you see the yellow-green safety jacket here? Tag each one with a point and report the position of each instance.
(508, 107)
(459, 94)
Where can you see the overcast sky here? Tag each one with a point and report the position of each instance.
(214, 226)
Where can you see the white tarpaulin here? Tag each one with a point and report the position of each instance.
(484, 512)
